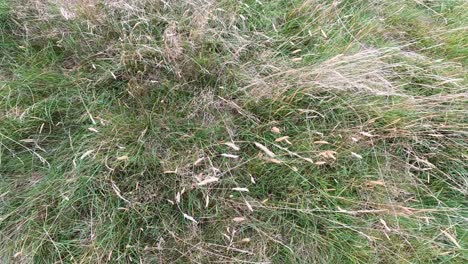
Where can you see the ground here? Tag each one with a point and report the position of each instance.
(253, 131)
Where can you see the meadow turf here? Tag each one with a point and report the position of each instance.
(253, 131)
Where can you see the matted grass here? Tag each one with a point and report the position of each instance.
(233, 131)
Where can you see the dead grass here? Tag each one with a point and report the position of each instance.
(383, 72)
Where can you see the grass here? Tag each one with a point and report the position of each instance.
(218, 131)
